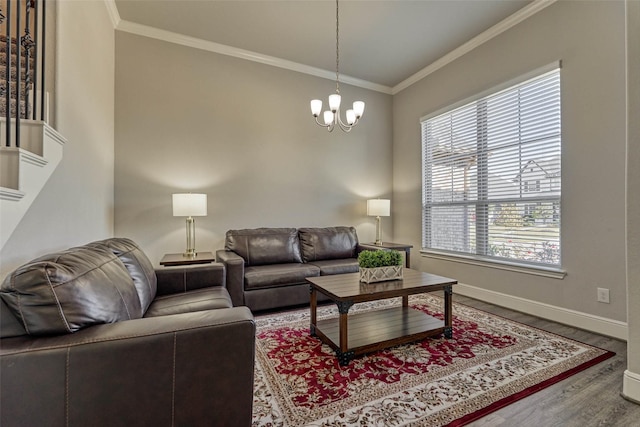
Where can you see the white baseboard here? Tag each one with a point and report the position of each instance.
(596, 324)
(631, 386)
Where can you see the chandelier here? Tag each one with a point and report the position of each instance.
(332, 115)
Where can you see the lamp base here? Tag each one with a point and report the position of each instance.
(190, 252)
(378, 241)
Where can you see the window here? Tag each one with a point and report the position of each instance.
(491, 175)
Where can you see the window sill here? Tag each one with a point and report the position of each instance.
(551, 272)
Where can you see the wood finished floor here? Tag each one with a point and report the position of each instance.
(589, 398)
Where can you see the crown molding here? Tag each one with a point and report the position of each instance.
(181, 39)
(114, 15)
(196, 43)
(502, 26)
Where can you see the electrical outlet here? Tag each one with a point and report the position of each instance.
(603, 295)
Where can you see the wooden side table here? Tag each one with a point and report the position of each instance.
(180, 259)
(393, 246)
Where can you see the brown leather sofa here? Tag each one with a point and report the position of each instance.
(267, 267)
(93, 336)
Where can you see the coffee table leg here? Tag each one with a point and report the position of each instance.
(344, 358)
(343, 309)
(448, 312)
(344, 339)
(314, 306)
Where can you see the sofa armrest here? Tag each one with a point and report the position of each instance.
(178, 279)
(171, 370)
(234, 265)
(360, 248)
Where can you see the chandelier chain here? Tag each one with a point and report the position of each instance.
(337, 48)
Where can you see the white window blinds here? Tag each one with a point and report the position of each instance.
(491, 171)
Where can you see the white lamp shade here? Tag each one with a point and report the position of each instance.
(351, 117)
(189, 204)
(334, 102)
(328, 117)
(379, 207)
(358, 108)
(316, 107)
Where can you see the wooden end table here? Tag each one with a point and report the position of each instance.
(180, 259)
(362, 333)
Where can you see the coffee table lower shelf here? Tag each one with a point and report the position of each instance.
(376, 330)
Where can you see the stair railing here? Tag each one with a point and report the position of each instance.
(24, 60)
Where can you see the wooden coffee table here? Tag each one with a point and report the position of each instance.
(362, 333)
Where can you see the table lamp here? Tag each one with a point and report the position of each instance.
(378, 208)
(190, 205)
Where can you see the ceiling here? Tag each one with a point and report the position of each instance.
(382, 42)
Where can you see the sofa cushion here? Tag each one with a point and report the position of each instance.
(337, 266)
(266, 276)
(9, 325)
(263, 246)
(187, 302)
(328, 243)
(140, 268)
(69, 290)
(182, 278)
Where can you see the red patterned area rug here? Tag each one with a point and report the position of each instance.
(489, 363)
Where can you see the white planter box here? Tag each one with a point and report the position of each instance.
(380, 274)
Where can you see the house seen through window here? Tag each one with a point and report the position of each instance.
(491, 175)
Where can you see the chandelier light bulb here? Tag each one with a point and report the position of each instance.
(328, 117)
(316, 107)
(358, 108)
(334, 102)
(351, 117)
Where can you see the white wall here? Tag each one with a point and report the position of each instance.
(632, 377)
(76, 205)
(242, 132)
(589, 38)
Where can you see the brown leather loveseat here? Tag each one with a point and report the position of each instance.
(93, 336)
(267, 267)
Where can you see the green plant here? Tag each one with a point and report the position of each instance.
(372, 259)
